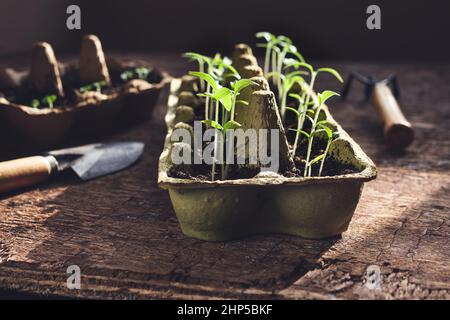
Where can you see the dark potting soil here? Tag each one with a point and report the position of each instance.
(202, 172)
(25, 93)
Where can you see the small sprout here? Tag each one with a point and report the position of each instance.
(227, 98)
(86, 88)
(49, 100)
(317, 127)
(35, 103)
(136, 73)
(99, 85)
(142, 72)
(96, 86)
(219, 69)
(293, 78)
(270, 40)
(316, 159)
(330, 135)
(306, 96)
(127, 75)
(278, 50)
(202, 62)
(46, 102)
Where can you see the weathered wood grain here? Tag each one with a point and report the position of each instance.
(122, 232)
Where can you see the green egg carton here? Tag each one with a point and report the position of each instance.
(311, 207)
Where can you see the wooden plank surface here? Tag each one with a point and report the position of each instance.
(123, 234)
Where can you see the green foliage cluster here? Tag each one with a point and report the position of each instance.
(288, 73)
(46, 102)
(95, 86)
(136, 73)
(220, 85)
(295, 78)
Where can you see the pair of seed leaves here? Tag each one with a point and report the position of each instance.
(224, 95)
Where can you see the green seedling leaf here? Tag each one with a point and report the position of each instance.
(333, 72)
(284, 39)
(309, 118)
(217, 59)
(297, 73)
(241, 84)
(35, 103)
(298, 114)
(289, 61)
(325, 95)
(226, 61)
(266, 36)
(306, 134)
(206, 77)
(142, 72)
(221, 68)
(49, 100)
(231, 75)
(99, 85)
(293, 78)
(139, 73)
(231, 125)
(316, 159)
(291, 81)
(245, 103)
(296, 97)
(327, 130)
(323, 122)
(86, 88)
(213, 124)
(274, 74)
(291, 48)
(221, 93)
(298, 64)
(314, 132)
(125, 76)
(196, 57)
(232, 69)
(298, 56)
(227, 102)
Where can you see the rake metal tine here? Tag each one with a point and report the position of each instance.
(393, 82)
(346, 86)
(361, 78)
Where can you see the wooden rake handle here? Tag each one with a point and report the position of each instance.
(398, 131)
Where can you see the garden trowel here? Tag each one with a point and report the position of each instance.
(88, 162)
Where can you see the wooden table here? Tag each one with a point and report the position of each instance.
(123, 234)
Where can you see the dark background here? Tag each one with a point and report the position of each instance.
(411, 30)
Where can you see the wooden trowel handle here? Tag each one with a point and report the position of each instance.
(19, 173)
(397, 130)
